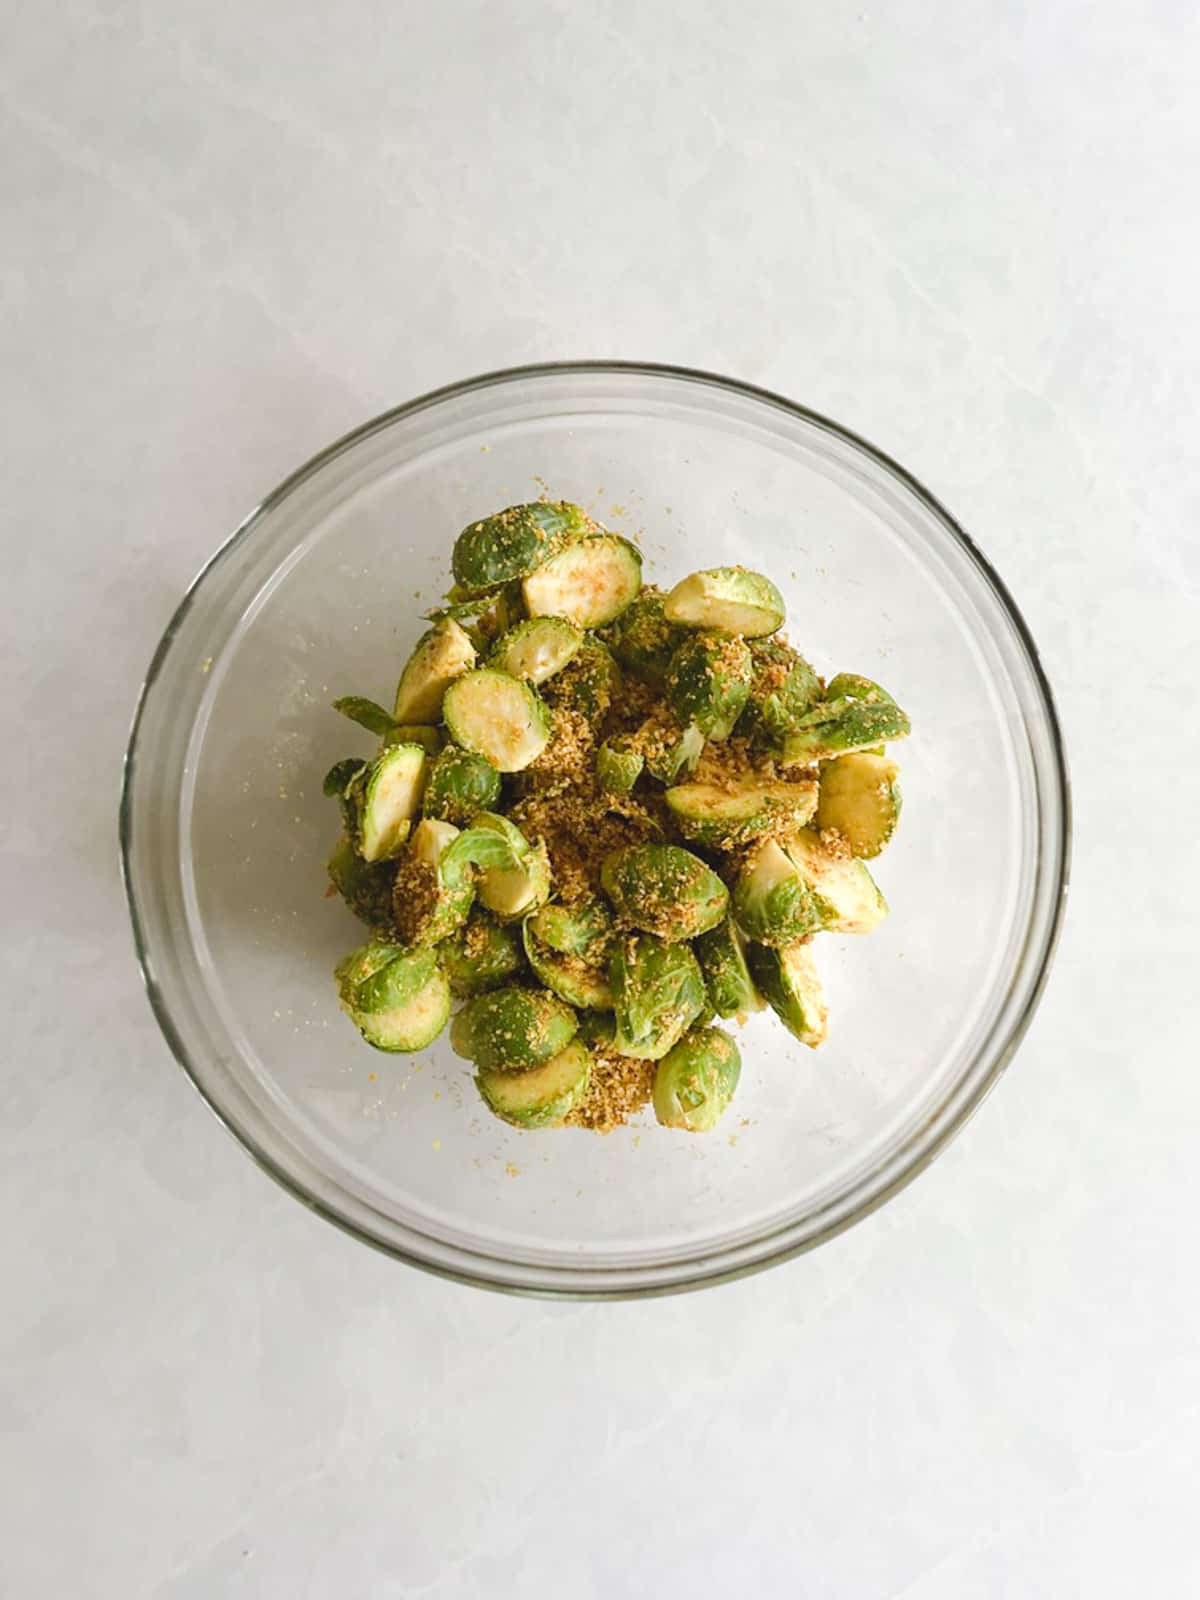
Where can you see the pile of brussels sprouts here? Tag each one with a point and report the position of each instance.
(712, 916)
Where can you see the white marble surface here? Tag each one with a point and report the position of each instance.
(232, 232)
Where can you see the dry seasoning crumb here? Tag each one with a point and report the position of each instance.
(619, 1087)
(836, 844)
(414, 898)
(511, 1170)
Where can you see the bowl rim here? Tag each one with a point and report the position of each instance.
(918, 1160)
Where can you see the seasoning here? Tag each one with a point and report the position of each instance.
(619, 1086)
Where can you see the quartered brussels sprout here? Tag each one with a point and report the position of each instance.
(582, 928)
(508, 1029)
(386, 796)
(589, 583)
(694, 1081)
(397, 998)
(730, 599)
(515, 542)
(483, 954)
(860, 800)
(365, 886)
(618, 765)
(497, 717)
(773, 900)
(721, 953)
(514, 875)
(658, 992)
(788, 979)
(434, 888)
(669, 748)
(588, 684)
(541, 1096)
(643, 639)
(572, 978)
(844, 893)
(722, 817)
(664, 889)
(854, 714)
(708, 682)
(536, 649)
(783, 689)
(460, 784)
(442, 654)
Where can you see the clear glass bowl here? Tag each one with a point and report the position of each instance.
(224, 831)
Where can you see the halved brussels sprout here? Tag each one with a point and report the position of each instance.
(366, 713)
(483, 954)
(784, 688)
(397, 998)
(708, 682)
(846, 897)
(855, 714)
(434, 889)
(694, 1081)
(658, 992)
(387, 796)
(580, 929)
(860, 800)
(511, 1028)
(590, 583)
(721, 953)
(730, 599)
(460, 784)
(773, 900)
(664, 890)
(578, 982)
(514, 874)
(541, 1096)
(618, 766)
(365, 886)
(789, 980)
(536, 649)
(497, 717)
(442, 654)
(668, 747)
(588, 684)
(515, 542)
(643, 639)
(722, 818)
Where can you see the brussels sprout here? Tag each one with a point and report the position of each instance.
(730, 599)
(722, 818)
(789, 980)
(343, 780)
(442, 654)
(515, 542)
(365, 886)
(785, 687)
(430, 739)
(618, 766)
(460, 784)
(843, 892)
(396, 998)
(694, 1082)
(708, 682)
(387, 796)
(860, 799)
(434, 889)
(590, 583)
(668, 747)
(588, 684)
(541, 1096)
(773, 900)
(497, 717)
(366, 713)
(644, 640)
(514, 875)
(483, 954)
(597, 1029)
(535, 650)
(664, 889)
(511, 1028)
(658, 992)
(855, 714)
(583, 928)
(570, 977)
(722, 956)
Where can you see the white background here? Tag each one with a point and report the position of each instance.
(234, 230)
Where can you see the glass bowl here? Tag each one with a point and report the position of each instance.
(225, 831)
